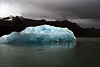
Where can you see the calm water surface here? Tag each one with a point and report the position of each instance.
(86, 53)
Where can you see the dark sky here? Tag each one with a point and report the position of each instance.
(86, 13)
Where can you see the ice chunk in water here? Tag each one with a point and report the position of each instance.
(40, 34)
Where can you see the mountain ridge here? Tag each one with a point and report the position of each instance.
(19, 23)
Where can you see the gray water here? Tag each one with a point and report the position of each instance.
(86, 53)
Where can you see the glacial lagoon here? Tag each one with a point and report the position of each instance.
(84, 53)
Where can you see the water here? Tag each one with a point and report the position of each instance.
(86, 53)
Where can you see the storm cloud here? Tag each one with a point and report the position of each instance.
(83, 12)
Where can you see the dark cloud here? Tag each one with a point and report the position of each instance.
(60, 9)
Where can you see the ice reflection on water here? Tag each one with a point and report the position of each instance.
(47, 45)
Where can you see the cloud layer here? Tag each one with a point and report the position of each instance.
(60, 9)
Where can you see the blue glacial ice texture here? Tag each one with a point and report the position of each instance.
(40, 34)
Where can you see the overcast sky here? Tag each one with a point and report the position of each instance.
(86, 13)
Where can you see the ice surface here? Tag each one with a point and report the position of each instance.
(40, 34)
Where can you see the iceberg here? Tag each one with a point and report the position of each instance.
(39, 34)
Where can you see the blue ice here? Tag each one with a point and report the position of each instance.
(40, 34)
